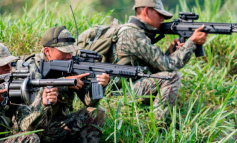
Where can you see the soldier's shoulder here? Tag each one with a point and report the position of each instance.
(131, 30)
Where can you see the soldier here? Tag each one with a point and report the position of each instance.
(34, 117)
(134, 47)
(82, 125)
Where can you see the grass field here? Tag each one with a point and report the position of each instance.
(205, 110)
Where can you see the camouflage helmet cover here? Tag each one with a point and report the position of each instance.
(156, 4)
(5, 56)
(59, 38)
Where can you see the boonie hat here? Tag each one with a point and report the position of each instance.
(156, 4)
(59, 38)
(5, 56)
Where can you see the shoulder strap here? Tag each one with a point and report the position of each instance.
(124, 61)
(142, 26)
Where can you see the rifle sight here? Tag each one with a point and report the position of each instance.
(188, 16)
(90, 55)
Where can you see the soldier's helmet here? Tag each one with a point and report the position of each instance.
(5, 56)
(156, 4)
(59, 38)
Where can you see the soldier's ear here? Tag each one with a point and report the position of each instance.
(47, 52)
(146, 9)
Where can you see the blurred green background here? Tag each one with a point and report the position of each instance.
(122, 8)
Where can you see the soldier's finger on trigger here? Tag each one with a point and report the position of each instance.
(83, 75)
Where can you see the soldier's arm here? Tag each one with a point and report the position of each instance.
(135, 43)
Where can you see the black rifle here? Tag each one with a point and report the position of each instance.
(87, 64)
(185, 27)
(22, 85)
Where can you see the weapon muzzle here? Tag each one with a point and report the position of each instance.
(234, 27)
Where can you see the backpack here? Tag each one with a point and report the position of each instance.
(102, 39)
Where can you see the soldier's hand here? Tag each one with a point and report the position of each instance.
(199, 37)
(176, 43)
(50, 95)
(80, 83)
(1, 92)
(103, 79)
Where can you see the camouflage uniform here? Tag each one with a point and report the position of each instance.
(31, 138)
(23, 118)
(135, 44)
(81, 126)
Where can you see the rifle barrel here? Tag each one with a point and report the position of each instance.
(154, 76)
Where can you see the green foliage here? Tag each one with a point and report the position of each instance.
(206, 105)
(22, 36)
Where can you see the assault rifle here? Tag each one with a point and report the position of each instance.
(22, 85)
(185, 27)
(86, 63)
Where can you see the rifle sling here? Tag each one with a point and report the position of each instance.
(151, 32)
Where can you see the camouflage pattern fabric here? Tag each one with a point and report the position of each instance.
(168, 92)
(66, 47)
(81, 126)
(28, 118)
(23, 117)
(5, 56)
(31, 138)
(136, 45)
(66, 126)
(156, 4)
(160, 8)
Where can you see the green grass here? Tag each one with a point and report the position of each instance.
(205, 110)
